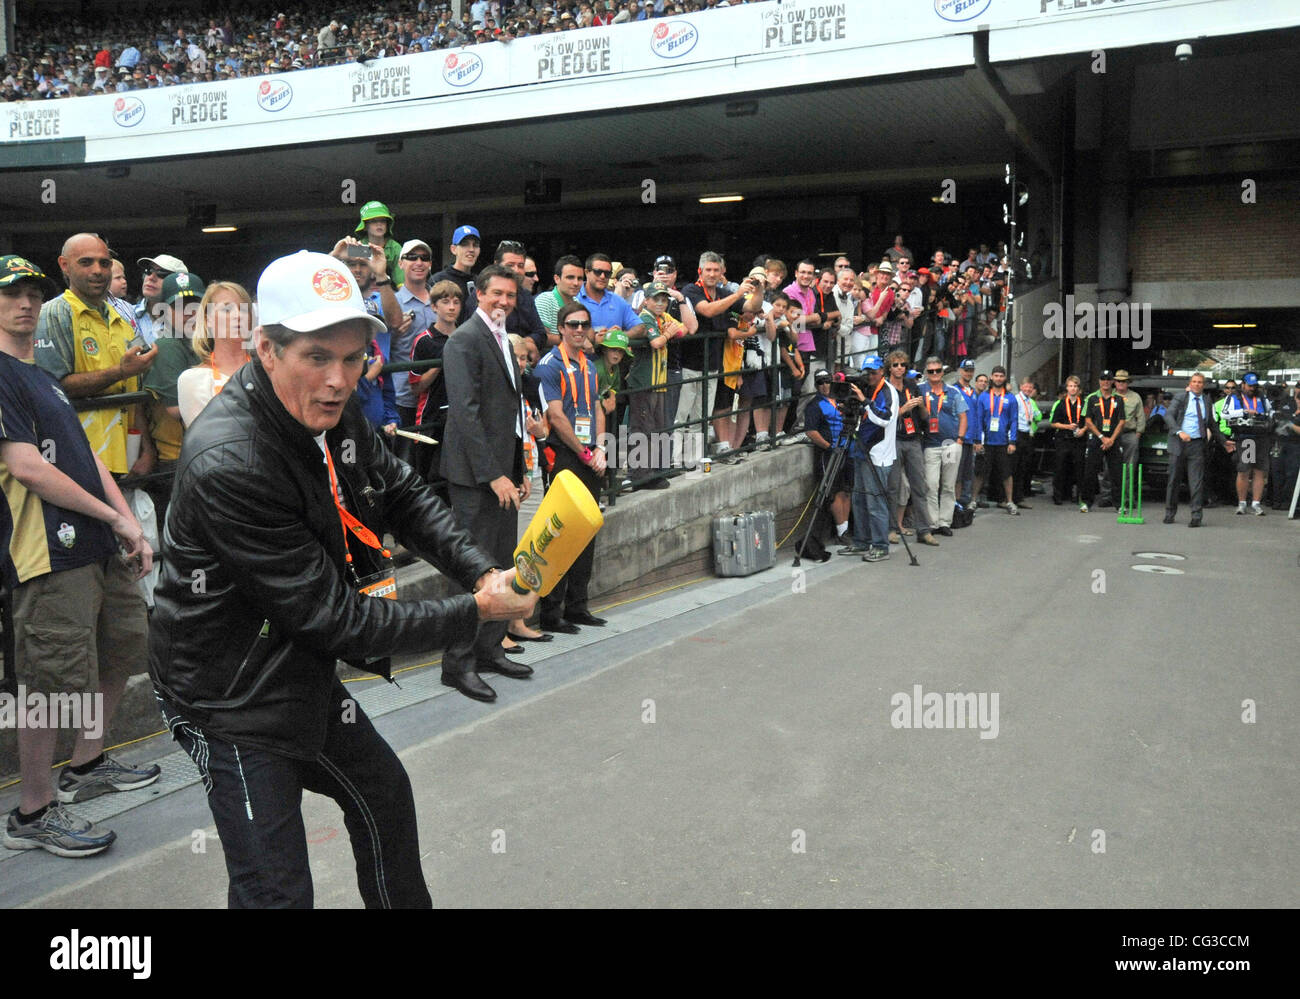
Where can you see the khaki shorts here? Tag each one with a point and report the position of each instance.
(76, 628)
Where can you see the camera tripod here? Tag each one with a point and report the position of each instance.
(831, 474)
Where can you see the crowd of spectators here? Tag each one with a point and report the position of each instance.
(71, 57)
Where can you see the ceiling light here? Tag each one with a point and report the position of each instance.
(716, 199)
(221, 228)
(1234, 326)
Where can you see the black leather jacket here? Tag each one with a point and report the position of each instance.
(254, 604)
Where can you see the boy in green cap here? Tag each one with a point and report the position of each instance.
(377, 221)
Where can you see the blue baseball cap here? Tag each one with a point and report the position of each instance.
(968, 365)
(1250, 379)
(464, 232)
(913, 374)
(872, 362)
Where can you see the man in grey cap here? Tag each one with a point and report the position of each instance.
(153, 270)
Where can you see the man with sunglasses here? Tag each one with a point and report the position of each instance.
(608, 311)
(944, 419)
(569, 392)
(530, 275)
(153, 271)
(415, 263)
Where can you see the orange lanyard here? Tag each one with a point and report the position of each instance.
(938, 408)
(1001, 397)
(877, 392)
(586, 385)
(1075, 417)
(1253, 404)
(216, 388)
(1101, 404)
(350, 523)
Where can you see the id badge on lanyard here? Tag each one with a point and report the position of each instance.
(909, 425)
(994, 423)
(582, 428)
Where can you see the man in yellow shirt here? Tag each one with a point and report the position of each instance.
(88, 347)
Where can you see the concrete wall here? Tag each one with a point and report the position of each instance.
(650, 539)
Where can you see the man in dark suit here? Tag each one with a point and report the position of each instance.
(1191, 425)
(482, 461)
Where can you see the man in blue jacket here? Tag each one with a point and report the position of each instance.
(999, 419)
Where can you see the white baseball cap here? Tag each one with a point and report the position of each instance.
(411, 244)
(308, 291)
(165, 261)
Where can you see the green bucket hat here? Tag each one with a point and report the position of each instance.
(372, 210)
(616, 339)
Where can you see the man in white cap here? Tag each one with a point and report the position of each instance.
(276, 571)
(153, 271)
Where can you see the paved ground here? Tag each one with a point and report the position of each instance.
(1120, 712)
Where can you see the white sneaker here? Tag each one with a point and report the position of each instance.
(1257, 510)
(1241, 509)
(761, 439)
(1013, 510)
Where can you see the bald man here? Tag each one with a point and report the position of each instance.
(86, 345)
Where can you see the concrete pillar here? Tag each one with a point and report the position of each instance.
(6, 27)
(1112, 208)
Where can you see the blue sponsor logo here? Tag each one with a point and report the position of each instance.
(961, 10)
(274, 95)
(673, 39)
(128, 111)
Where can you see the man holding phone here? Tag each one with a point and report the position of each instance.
(92, 351)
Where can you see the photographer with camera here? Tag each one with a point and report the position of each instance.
(873, 457)
(825, 426)
(1250, 415)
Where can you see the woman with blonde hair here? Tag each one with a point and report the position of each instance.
(222, 346)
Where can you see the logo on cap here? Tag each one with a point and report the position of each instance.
(182, 280)
(330, 285)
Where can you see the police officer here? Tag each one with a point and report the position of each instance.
(1254, 442)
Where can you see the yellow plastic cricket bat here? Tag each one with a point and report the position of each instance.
(561, 528)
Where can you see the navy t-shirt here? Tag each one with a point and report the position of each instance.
(39, 537)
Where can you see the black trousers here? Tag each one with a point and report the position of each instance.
(1069, 466)
(496, 531)
(1112, 460)
(256, 802)
(1024, 475)
(570, 593)
(1191, 458)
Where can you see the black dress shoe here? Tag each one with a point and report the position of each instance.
(1056, 502)
(512, 650)
(1195, 521)
(945, 531)
(469, 684)
(506, 667)
(582, 617)
(561, 627)
(1169, 517)
(525, 638)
